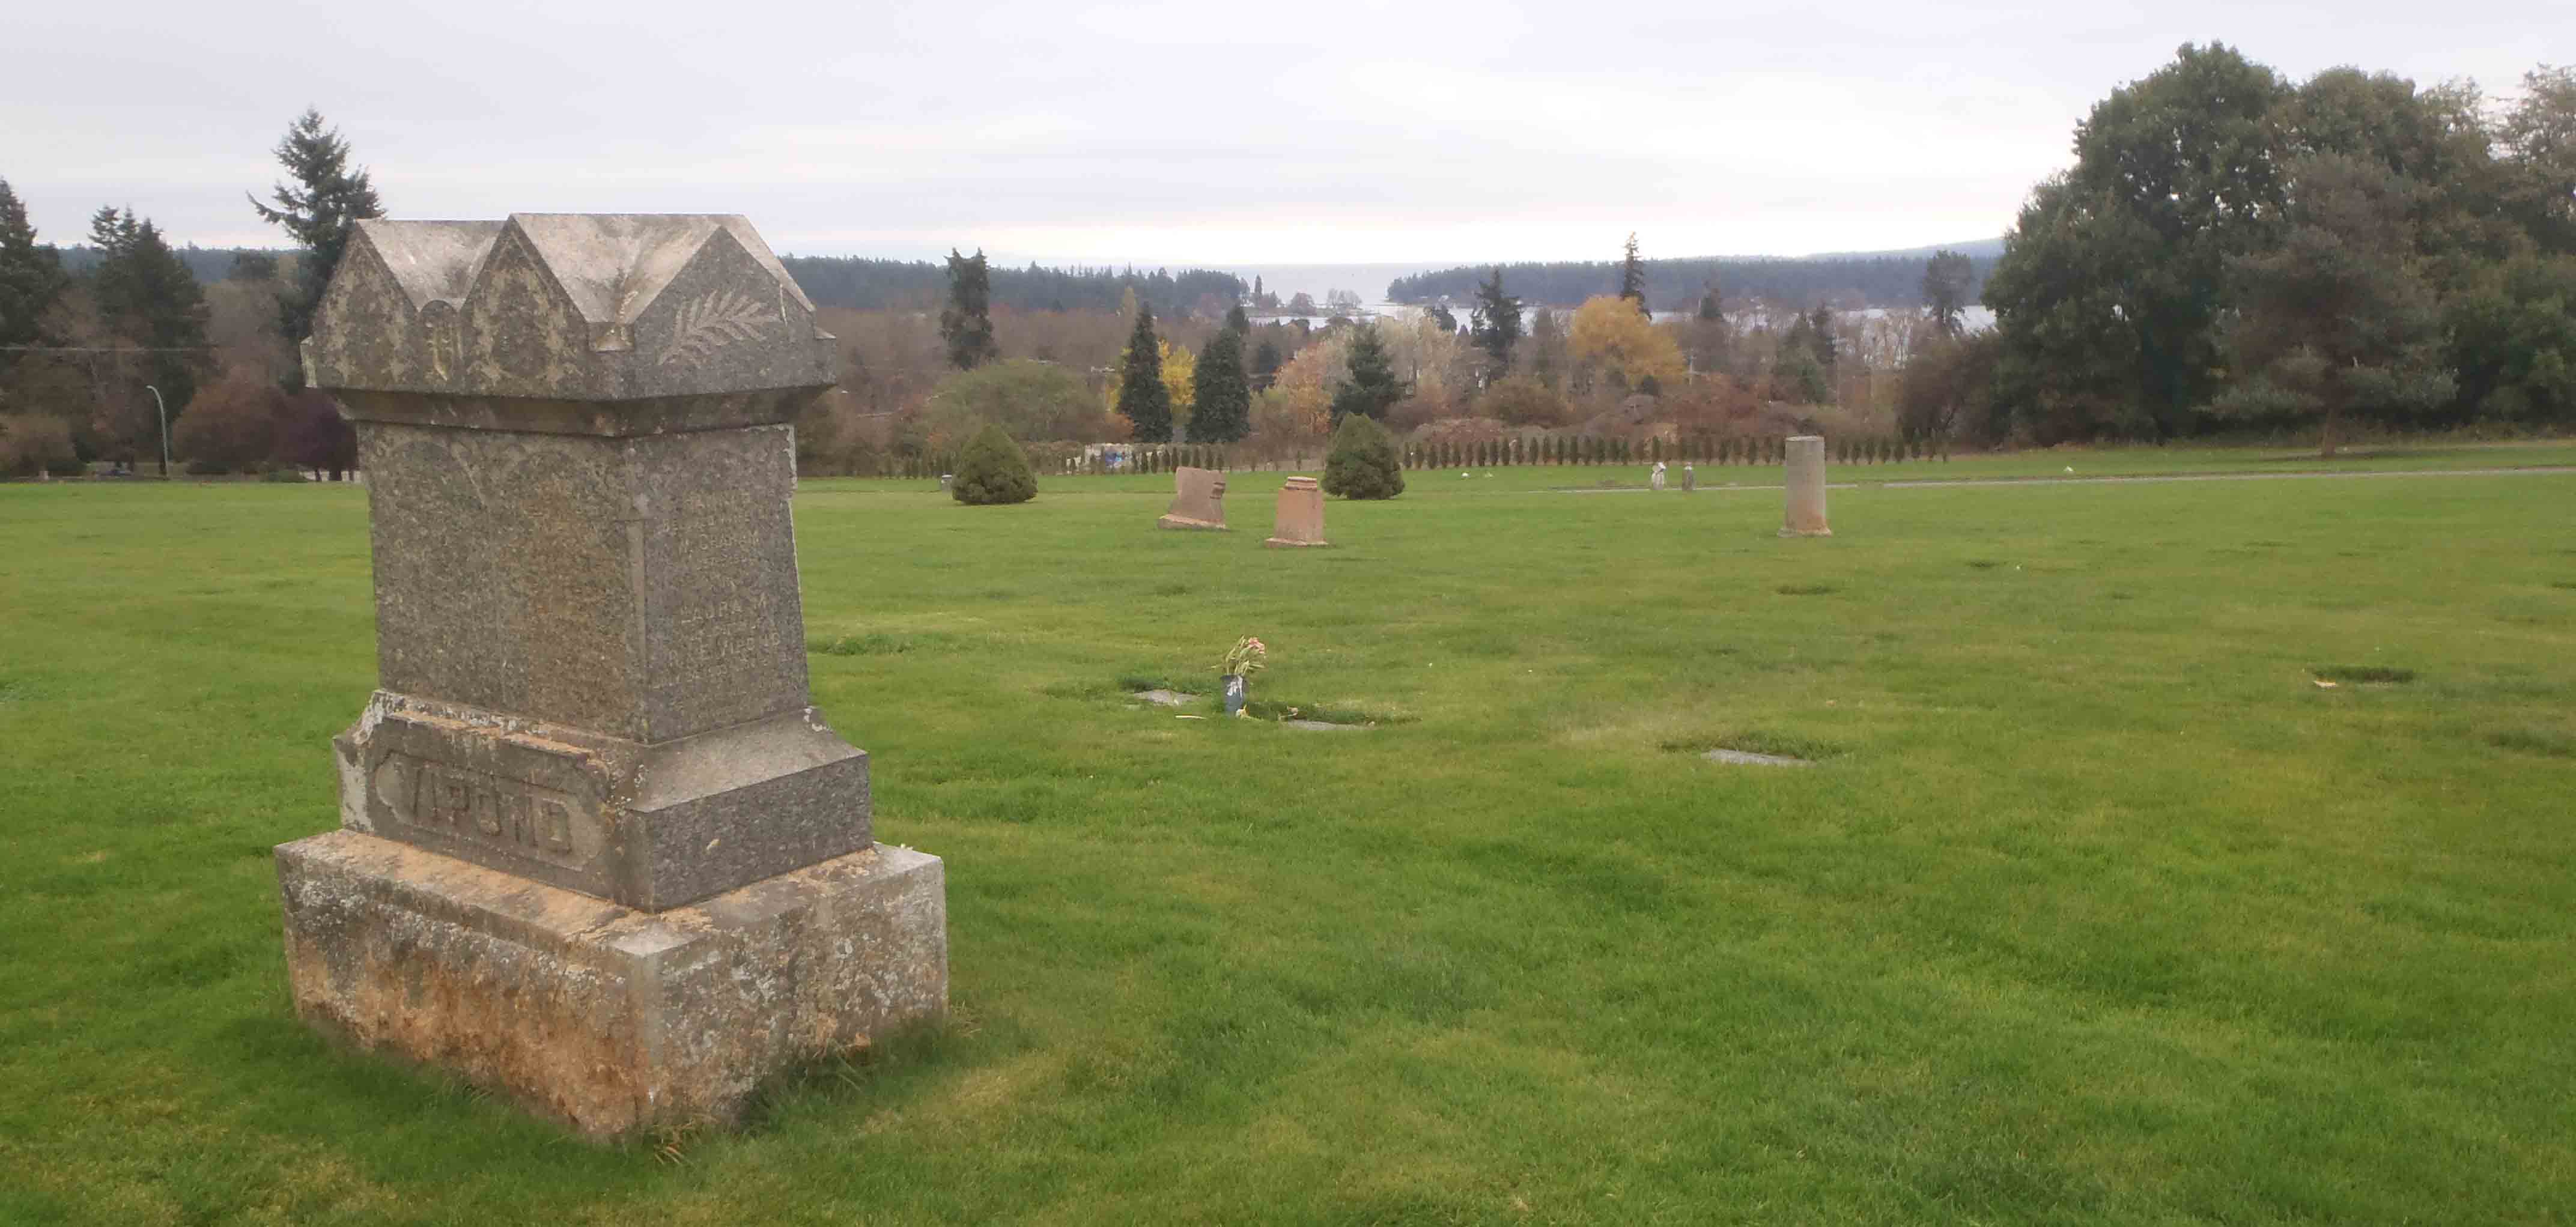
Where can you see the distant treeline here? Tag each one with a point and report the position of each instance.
(206, 264)
(1678, 285)
(874, 285)
(849, 281)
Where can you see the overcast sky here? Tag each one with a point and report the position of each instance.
(1178, 133)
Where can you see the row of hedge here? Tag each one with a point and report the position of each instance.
(1068, 458)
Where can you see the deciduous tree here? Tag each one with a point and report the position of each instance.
(232, 425)
(1028, 399)
(1610, 336)
(311, 434)
(2175, 176)
(2337, 316)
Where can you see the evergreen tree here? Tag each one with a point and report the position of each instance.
(1712, 309)
(1221, 408)
(31, 278)
(1495, 324)
(1440, 315)
(319, 210)
(1372, 388)
(966, 324)
(1363, 463)
(1632, 276)
(992, 469)
(1945, 291)
(1143, 399)
(149, 300)
(1265, 365)
(1236, 319)
(1547, 346)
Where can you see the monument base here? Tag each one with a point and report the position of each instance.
(601, 1016)
(1282, 543)
(1806, 532)
(1186, 522)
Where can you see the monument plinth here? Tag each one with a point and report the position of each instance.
(1804, 470)
(599, 850)
(1300, 521)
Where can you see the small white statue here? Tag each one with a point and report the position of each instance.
(1655, 479)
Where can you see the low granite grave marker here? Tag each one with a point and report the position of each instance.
(1300, 521)
(1198, 500)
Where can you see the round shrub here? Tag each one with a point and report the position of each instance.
(992, 469)
(1363, 462)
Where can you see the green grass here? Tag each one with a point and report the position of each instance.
(2096, 908)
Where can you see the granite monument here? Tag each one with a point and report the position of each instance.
(1804, 468)
(1198, 500)
(1300, 522)
(598, 851)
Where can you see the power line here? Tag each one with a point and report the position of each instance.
(108, 349)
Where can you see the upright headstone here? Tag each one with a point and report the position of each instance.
(1198, 500)
(1300, 522)
(1805, 470)
(1690, 478)
(598, 851)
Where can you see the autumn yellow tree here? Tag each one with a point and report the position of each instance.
(1302, 393)
(1610, 336)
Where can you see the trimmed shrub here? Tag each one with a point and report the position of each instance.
(992, 470)
(1363, 461)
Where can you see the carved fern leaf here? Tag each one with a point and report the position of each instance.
(721, 318)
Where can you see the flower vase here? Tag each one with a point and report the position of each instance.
(1234, 694)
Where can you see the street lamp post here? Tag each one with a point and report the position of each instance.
(164, 410)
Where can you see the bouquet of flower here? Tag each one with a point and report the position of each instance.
(1245, 659)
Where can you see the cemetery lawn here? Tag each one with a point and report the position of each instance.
(2096, 907)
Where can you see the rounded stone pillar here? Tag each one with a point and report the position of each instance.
(1805, 470)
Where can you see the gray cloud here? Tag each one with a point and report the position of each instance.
(1170, 132)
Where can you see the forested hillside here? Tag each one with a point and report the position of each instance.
(1879, 280)
(864, 284)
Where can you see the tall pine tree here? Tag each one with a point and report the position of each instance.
(1142, 397)
(1495, 325)
(31, 278)
(151, 302)
(1632, 277)
(326, 200)
(1265, 365)
(1221, 409)
(967, 322)
(1372, 388)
